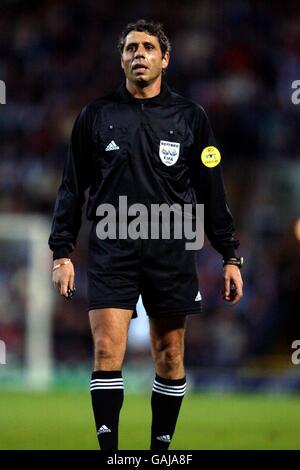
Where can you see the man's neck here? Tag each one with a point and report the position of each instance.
(149, 91)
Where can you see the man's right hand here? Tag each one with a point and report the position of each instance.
(63, 277)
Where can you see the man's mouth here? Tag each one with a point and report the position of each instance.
(139, 67)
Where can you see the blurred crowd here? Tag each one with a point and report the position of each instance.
(238, 59)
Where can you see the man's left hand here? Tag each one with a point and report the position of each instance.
(233, 284)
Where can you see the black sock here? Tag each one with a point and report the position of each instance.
(166, 400)
(107, 398)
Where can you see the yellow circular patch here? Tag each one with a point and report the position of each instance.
(210, 157)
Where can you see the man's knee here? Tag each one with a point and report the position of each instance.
(107, 353)
(104, 347)
(169, 359)
(109, 329)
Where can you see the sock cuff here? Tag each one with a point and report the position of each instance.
(173, 388)
(106, 380)
(107, 374)
(171, 382)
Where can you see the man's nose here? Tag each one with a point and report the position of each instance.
(140, 52)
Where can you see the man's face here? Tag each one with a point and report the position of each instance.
(142, 59)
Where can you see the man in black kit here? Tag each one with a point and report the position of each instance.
(153, 146)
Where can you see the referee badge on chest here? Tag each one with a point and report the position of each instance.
(169, 152)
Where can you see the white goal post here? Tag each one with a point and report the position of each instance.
(34, 231)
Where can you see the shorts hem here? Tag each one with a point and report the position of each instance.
(111, 305)
(181, 311)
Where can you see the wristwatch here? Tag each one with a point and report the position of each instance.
(236, 261)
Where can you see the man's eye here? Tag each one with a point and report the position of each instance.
(149, 46)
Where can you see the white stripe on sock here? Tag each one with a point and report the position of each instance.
(113, 387)
(96, 382)
(107, 380)
(169, 387)
(172, 390)
(169, 393)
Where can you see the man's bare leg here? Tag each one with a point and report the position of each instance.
(109, 328)
(167, 346)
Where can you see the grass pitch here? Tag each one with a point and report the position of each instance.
(64, 420)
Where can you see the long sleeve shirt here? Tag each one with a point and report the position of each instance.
(149, 150)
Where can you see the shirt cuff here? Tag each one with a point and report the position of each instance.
(62, 252)
(229, 253)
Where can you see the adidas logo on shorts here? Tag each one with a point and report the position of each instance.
(198, 297)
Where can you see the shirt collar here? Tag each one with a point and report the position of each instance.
(124, 96)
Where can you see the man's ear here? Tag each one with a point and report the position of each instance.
(165, 60)
(122, 64)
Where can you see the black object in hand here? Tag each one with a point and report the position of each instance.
(232, 292)
(71, 293)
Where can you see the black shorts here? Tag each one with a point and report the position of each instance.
(163, 272)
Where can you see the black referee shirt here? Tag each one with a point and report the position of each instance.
(115, 149)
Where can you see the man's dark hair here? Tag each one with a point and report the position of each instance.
(150, 27)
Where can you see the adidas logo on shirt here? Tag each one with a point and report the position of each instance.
(103, 429)
(112, 146)
(165, 438)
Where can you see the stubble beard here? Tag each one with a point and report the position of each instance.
(141, 82)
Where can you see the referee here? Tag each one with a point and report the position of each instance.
(153, 146)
